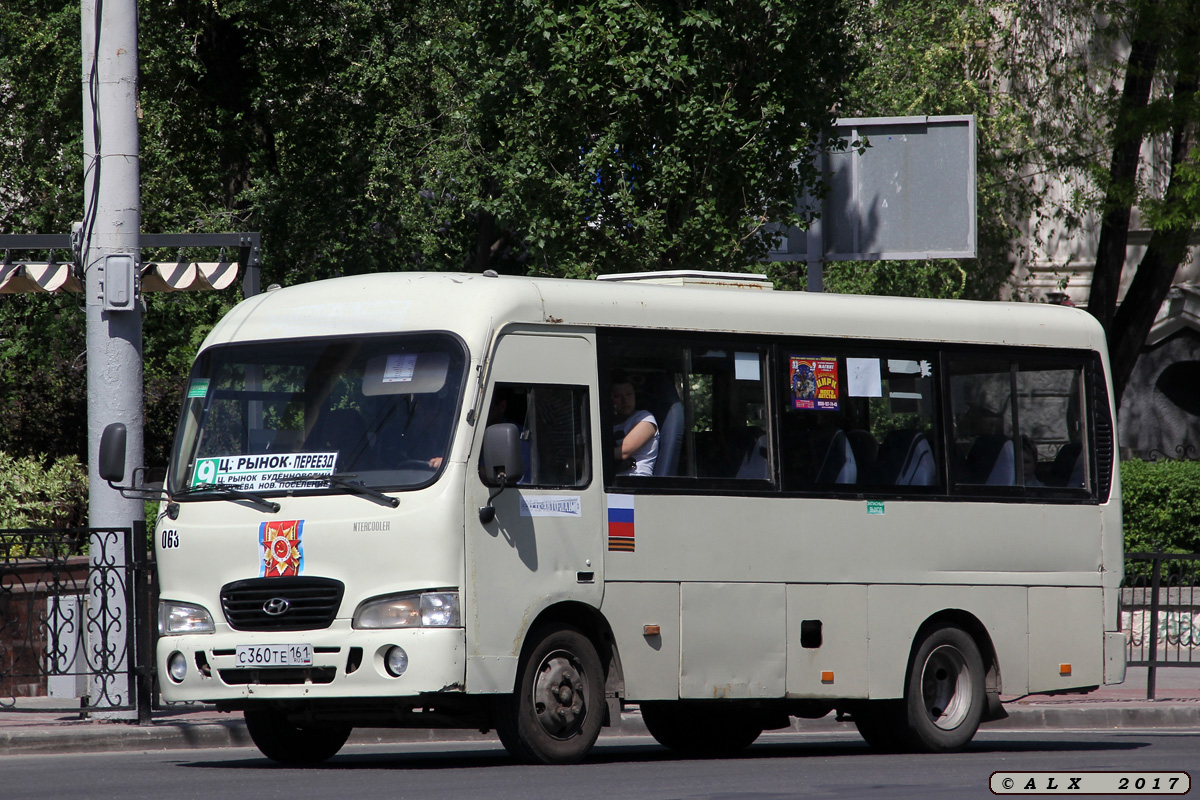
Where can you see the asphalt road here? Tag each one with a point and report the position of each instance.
(778, 766)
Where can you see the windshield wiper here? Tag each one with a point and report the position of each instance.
(227, 491)
(343, 480)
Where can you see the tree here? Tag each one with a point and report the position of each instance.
(1158, 101)
(580, 138)
(935, 57)
(1086, 112)
(362, 135)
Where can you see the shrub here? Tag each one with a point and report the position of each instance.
(37, 494)
(1162, 505)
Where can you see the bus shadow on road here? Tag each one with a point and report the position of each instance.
(375, 757)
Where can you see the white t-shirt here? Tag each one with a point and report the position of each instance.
(642, 460)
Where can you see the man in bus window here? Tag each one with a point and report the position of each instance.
(635, 432)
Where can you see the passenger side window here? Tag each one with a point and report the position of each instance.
(553, 425)
(858, 419)
(1017, 424)
(708, 402)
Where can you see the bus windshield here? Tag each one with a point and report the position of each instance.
(306, 415)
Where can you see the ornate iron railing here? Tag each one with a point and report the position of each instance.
(1160, 612)
(75, 615)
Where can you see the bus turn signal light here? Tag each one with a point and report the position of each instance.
(827, 676)
(1064, 669)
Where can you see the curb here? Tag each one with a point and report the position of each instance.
(68, 737)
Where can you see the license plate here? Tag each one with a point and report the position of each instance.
(274, 655)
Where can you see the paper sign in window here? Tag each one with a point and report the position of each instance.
(745, 367)
(863, 377)
(400, 368)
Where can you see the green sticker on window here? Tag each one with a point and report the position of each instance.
(198, 388)
(875, 507)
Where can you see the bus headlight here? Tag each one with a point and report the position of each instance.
(178, 618)
(416, 610)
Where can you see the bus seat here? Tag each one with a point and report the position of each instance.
(839, 465)
(990, 461)
(660, 398)
(865, 447)
(670, 440)
(754, 464)
(343, 431)
(906, 459)
(1067, 469)
(1004, 471)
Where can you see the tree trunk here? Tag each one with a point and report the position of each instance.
(1168, 244)
(1121, 192)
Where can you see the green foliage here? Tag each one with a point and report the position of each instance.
(574, 139)
(36, 493)
(936, 57)
(1161, 501)
(364, 135)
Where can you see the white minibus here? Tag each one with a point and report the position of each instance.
(526, 505)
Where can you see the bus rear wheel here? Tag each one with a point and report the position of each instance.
(280, 740)
(943, 701)
(701, 728)
(556, 712)
(945, 696)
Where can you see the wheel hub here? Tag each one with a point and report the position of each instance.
(946, 687)
(558, 695)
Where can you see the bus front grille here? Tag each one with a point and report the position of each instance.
(281, 604)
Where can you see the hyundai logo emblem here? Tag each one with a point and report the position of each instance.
(276, 606)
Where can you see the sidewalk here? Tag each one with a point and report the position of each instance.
(29, 730)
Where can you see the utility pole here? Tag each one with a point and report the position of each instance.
(108, 245)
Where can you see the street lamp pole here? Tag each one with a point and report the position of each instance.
(108, 245)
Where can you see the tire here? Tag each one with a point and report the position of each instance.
(945, 696)
(943, 703)
(280, 740)
(704, 729)
(882, 724)
(555, 714)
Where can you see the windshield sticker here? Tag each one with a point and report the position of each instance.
(263, 473)
(400, 368)
(282, 548)
(198, 388)
(814, 383)
(551, 506)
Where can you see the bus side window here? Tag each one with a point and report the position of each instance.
(858, 420)
(1018, 424)
(553, 425)
(1049, 399)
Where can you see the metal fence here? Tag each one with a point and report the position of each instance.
(1160, 612)
(76, 619)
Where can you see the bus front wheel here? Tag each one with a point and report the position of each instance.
(280, 740)
(556, 712)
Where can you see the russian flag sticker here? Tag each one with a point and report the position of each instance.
(620, 522)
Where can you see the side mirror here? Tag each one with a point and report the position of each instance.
(501, 464)
(112, 452)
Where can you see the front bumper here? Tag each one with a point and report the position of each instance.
(347, 663)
